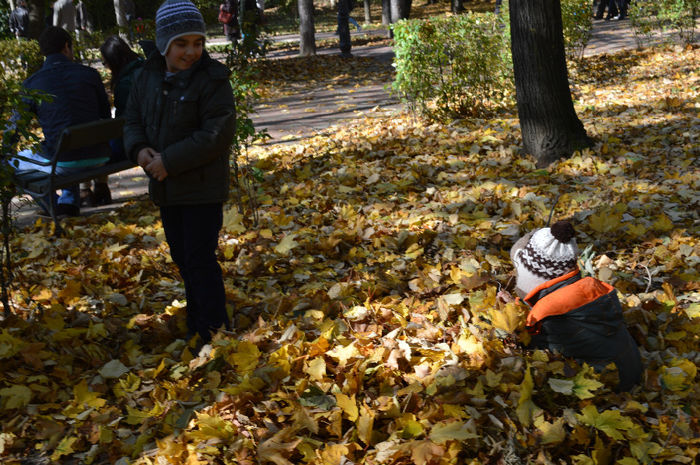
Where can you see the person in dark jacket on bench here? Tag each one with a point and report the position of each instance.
(578, 317)
(77, 96)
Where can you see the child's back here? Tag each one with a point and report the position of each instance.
(578, 317)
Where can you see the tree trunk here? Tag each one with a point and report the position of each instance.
(457, 6)
(368, 14)
(400, 9)
(386, 12)
(12, 5)
(37, 11)
(307, 32)
(120, 13)
(548, 121)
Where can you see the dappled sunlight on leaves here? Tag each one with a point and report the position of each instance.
(367, 328)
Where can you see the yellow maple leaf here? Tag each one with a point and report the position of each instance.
(246, 357)
(679, 376)
(286, 244)
(70, 292)
(348, 405)
(509, 318)
(233, 221)
(15, 396)
(333, 454)
(365, 424)
(344, 353)
(552, 433)
(83, 396)
(425, 452)
(526, 408)
(604, 221)
(64, 447)
(445, 431)
(663, 223)
(611, 422)
(316, 369)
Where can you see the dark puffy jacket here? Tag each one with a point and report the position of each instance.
(582, 318)
(78, 96)
(123, 86)
(190, 119)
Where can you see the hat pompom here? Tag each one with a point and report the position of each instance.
(563, 231)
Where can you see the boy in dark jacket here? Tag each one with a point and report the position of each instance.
(180, 122)
(578, 317)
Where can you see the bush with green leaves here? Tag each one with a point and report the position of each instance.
(453, 66)
(18, 59)
(650, 19)
(577, 22)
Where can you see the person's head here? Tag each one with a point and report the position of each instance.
(116, 54)
(543, 255)
(22, 4)
(180, 34)
(55, 40)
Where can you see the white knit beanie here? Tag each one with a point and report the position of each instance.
(543, 255)
(177, 18)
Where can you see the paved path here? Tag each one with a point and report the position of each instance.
(310, 112)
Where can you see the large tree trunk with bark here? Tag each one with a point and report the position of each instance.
(548, 121)
(307, 32)
(37, 11)
(386, 12)
(400, 9)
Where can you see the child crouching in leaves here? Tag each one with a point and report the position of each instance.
(578, 317)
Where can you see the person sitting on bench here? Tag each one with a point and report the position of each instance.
(77, 96)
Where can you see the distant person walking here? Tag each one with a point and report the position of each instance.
(19, 20)
(228, 16)
(64, 15)
(344, 8)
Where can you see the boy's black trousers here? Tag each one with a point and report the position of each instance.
(192, 232)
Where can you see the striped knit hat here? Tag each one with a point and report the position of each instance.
(543, 255)
(177, 18)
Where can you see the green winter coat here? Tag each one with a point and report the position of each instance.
(190, 118)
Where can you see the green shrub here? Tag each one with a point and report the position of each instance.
(651, 18)
(17, 61)
(577, 21)
(461, 64)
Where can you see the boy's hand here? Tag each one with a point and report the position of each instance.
(156, 168)
(145, 156)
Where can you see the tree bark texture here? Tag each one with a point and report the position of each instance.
(368, 14)
(386, 12)
(400, 9)
(549, 124)
(457, 6)
(37, 12)
(307, 31)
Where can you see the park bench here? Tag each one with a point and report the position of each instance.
(38, 183)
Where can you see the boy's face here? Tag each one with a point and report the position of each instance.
(184, 52)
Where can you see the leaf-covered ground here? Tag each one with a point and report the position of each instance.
(367, 329)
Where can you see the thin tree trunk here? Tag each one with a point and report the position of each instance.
(307, 32)
(386, 12)
(457, 6)
(12, 5)
(37, 11)
(368, 14)
(549, 124)
(120, 14)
